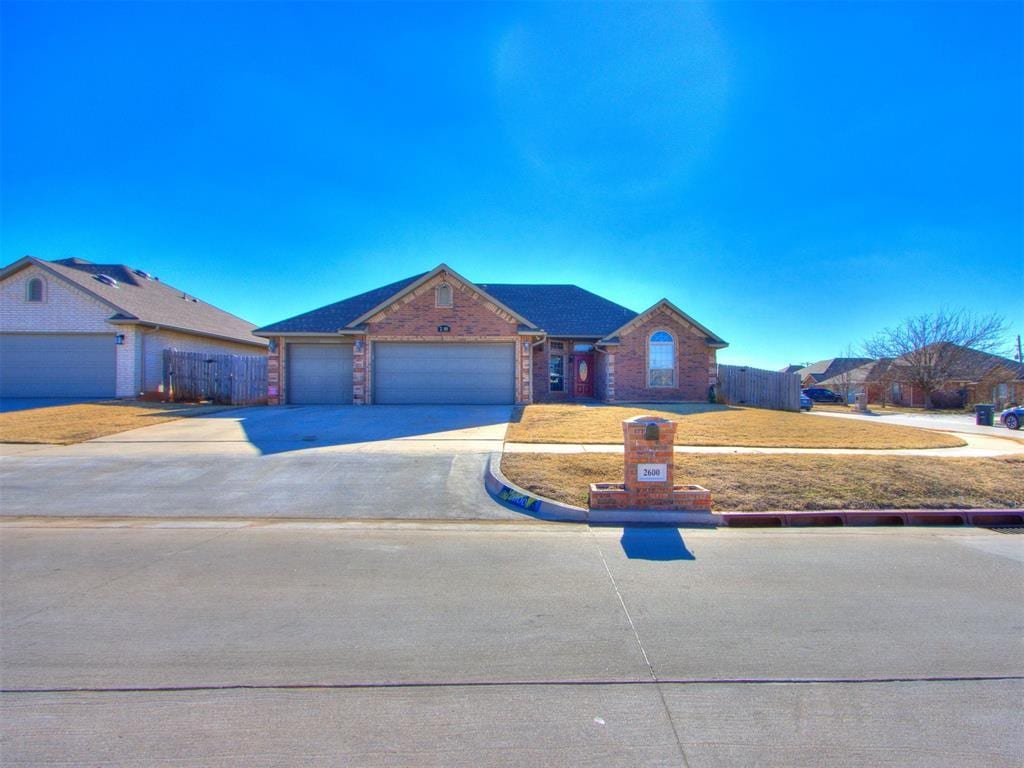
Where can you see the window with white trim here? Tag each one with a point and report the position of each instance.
(34, 289)
(443, 295)
(661, 360)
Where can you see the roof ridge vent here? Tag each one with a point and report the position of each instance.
(106, 280)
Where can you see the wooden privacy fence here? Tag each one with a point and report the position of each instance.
(740, 385)
(224, 379)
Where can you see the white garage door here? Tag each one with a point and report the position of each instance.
(444, 373)
(57, 365)
(319, 374)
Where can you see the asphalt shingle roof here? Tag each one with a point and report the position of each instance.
(560, 310)
(340, 314)
(153, 301)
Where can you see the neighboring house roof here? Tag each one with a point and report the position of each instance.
(871, 372)
(971, 366)
(791, 369)
(826, 369)
(563, 310)
(138, 298)
(558, 310)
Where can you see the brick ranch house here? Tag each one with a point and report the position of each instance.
(71, 328)
(439, 338)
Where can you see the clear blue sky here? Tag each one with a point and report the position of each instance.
(795, 176)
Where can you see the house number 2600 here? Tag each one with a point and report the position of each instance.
(651, 473)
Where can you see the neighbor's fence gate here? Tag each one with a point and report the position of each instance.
(740, 385)
(224, 379)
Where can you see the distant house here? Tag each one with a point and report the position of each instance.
(71, 328)
(437, 337)
(814, 374)
(975, 377)
(791, 368)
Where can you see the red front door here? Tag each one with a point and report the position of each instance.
(583, 374)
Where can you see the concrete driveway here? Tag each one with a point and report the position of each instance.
(303, 461)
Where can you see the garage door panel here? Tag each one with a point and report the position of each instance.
(319, 374)
(57, 365)
(478, 374)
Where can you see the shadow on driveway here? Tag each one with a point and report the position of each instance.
(296, 428)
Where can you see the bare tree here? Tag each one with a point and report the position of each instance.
(929, 351)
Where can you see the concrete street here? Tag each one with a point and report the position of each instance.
(258, 644)
(312, 461)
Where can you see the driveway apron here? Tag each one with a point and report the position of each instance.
(416, 462)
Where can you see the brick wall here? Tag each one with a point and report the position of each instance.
(471, 315)
(694, 361)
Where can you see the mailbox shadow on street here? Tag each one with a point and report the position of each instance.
(654, 543)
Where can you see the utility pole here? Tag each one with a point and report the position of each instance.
(1020, 357)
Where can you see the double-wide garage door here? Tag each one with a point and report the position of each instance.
(57, 365)
(319, 374)
(423, 372)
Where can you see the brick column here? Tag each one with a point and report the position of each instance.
(649, 440)
(359, 377)
(275, 366)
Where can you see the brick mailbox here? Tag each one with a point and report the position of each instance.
(649, 482)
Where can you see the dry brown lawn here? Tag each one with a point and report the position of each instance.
(67, 424)
(717, 425)
(793, 482)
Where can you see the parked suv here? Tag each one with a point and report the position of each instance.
(822, 395)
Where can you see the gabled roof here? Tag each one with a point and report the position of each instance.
(445, 271)
(555, 310)
(790, 369)
(138, 298)
(341, 314)
(712, 339)
(562, 310)
(833, 366)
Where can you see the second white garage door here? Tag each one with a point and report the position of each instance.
(472, 374)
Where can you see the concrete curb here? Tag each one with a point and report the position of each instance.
(507, 493)
(503, 491)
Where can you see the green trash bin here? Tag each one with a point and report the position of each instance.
(984, 414)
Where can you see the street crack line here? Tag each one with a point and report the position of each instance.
(643, 651)
(520, 684)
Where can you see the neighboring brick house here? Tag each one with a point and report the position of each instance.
(71, 328)
(974, 377)
(439, 338)
(814, 374)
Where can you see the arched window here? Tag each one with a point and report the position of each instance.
(34, 289)
(443, 295)
(661, 360)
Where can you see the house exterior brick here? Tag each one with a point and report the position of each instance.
(694, 362)
(408, 311)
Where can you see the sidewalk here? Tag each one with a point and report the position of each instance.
(978, 447)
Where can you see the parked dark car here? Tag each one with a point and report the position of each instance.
(1013, 417)
(822, 395)
(805, 402)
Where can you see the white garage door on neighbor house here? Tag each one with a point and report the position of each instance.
(57, 365)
